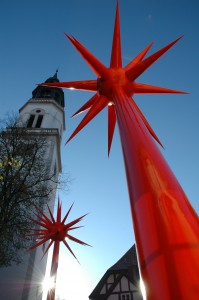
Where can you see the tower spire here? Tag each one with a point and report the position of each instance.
(55, 75)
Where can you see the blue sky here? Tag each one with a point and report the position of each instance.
(33, 46)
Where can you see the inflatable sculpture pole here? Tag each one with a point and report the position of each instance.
(56, 231)
(165, 225)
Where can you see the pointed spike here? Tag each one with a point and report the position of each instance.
(41, 212)
(67, 246)
(49, 245)
(38, 230)
(42, 219)
(141, 88)
(139, 68)
(98, 68)
(66, 216)
(94, 110)
(138, 58)
(59, 211)
(87, 105)
(116, 55)
(147, 124)
(74, 222)
(77, 240)
(76, 227)
(39, 243)
(52, 218)
(85, 85)
(39, 223)
(39, 235)
(111, 125)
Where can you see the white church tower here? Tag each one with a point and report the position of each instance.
(43, 113)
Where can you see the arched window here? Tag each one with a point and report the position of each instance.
(36, 118)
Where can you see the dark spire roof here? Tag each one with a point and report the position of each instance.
(55, 75)
(53, 93)
(53, 78)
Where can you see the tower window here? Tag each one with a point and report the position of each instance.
(35, 121)
(30, 121)
(39, 120)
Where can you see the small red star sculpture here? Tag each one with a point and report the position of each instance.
(56, 231)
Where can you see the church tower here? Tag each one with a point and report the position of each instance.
(43, 114)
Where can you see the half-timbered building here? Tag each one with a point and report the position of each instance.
(121, 281)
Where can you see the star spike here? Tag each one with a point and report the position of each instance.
(139, 68)
(146, 123)
(66, 216)
(85, 85)
(41, 212)
(111, 124)
(138, 58)
(98, 68)
(39, 223)
(116, 55)
(72, 228)
(66, 226)
(67, 246)
(49, 245)
(142, 88)
(59, 211)
(87, 105)
(77, 240)
(94, 110)
(51, 215)
(44, 240)
(42, 219)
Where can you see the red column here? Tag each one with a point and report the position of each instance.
(53, 272)
(166, 226)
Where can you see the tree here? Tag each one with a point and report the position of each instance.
(26, 182)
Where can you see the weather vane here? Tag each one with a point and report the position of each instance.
(56, 231)
(165, 225)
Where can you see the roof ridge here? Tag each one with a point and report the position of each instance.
(127, 260)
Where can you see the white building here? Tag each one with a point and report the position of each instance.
(43, 114)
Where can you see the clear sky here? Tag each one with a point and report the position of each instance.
(33, 46)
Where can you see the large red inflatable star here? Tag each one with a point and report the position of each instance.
(115, 75)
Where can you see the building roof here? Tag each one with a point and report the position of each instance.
(53, 93)
(126, 261)
(124, 266)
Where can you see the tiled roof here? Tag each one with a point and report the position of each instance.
(127, 260)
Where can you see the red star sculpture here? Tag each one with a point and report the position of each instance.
(112, 78)
(165, 225)
(56, 231)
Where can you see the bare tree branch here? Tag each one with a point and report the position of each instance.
(26, 180)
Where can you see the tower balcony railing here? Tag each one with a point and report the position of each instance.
(47, 100)
(44, 131)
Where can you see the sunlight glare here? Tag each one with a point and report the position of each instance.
(143, 288)
(48, 283)
(70, 275)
